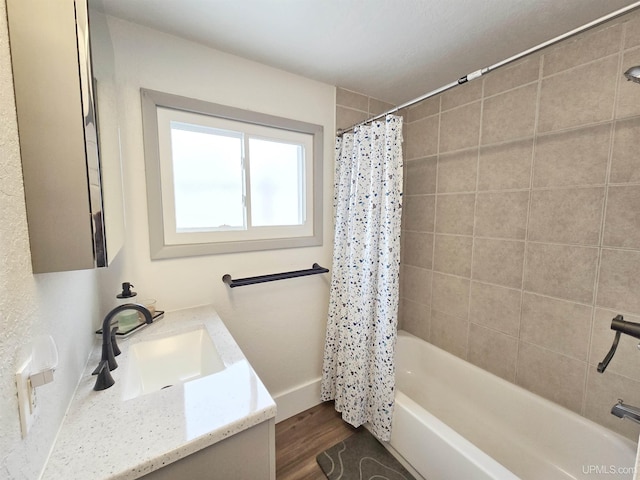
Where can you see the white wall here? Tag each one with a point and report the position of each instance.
(281, 325)
(64, 305)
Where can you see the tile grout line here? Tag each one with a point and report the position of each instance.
(475, 218)
(596, 281)
(435, 218)
(526, 232)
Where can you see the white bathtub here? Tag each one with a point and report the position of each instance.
(453, 420)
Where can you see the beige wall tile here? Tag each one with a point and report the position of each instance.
(418, 212)
(466, 93)
(572, 215)
(619, 281)
(354, 100)
(425, 108)
(495, 307)
(416, 319)
(622, 220)
(493, 351)
(576, 157)
(559, 378)
(632, 30)
(504, 78)
(603, 392)
(498, 261)
(400, 304)
(401, 280)
(457, 172)
(628, 104)
(460, 127)
(416, 284)
(625, 161)
(454, 213)
(510, 115)
(502, 214)
(626, 359)
(377, 107)
(561, 271)
(450, 295)
(558, 325)
(421, 138)
(586, 47)
(449, 333)
(575, 144)
(452, 255)
(420, 176)
(417, 249)
(347, 117)
(579, 96)
(506, 166)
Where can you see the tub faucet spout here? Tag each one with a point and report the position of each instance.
(109, 346)
(622, 410)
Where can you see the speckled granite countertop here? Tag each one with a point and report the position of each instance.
(105, 437)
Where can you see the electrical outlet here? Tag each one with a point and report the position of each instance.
(32, 397)
(27, 400)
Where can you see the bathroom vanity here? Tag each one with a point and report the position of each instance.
(217, 425)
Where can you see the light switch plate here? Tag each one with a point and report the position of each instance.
(26, 397)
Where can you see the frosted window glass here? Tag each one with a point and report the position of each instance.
(223, 180)
(207, 174)
(277, 182)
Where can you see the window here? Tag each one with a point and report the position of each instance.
(221, 179)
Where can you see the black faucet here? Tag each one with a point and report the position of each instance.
(619, 325)
(110, 347)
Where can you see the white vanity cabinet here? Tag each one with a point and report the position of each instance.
(246, 455)
(217, 426)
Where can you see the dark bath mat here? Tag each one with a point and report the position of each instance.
(361, 457)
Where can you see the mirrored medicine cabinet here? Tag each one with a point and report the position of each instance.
(69, 144)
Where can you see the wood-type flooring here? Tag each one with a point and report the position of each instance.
(301, 438)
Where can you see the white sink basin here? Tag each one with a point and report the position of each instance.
(169, 359)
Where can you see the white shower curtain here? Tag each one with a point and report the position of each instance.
(358, 370)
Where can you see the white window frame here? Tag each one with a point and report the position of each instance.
(165, 242)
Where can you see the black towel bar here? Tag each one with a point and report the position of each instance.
(241, 282)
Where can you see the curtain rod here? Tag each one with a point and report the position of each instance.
(478, 73)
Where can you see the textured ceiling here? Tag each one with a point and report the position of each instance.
(393, 50)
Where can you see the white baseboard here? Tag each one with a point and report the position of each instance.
(297, 399)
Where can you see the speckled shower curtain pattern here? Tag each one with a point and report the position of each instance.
(358, 370)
